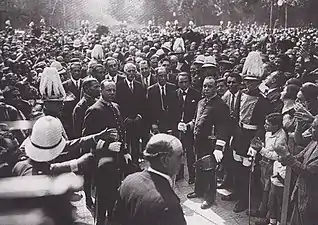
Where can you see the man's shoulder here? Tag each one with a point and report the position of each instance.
(67, 82)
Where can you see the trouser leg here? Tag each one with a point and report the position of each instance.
(107, 182)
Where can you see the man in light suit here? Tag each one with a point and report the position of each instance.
(161, 103)
(131, 97)
(147, 197)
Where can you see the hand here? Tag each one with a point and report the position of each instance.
(218, 155)
(127, 158)
(304, 116)
(281, 150)
(182, 127)
(114, 146)
(251, 152)
(106, 135)
(84, 160)
(256, 144)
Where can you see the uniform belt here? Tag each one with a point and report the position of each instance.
(248, 126)
(264, 159)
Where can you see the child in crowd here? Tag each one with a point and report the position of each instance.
(275, 136)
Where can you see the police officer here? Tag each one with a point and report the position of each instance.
(210, 136)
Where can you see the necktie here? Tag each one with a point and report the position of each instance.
(163, 99)
(146, 82)
(113, 78)
(131, 87)
(232, 103)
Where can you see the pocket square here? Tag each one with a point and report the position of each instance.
(193, 101)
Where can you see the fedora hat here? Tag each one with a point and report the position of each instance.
(46, 141)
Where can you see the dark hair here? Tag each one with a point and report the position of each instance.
(294, 81)
(310, 91)
(184, 74)
(291, 91)
(237, 76)
(276, 119)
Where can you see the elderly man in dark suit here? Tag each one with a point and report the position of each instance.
(210, 129)
(131, 97)
(105, 114)
(112, 67)
(73, 87)
(161, 103)
(147, 197)
(188, 99)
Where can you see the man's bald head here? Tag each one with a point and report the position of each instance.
(164, 153)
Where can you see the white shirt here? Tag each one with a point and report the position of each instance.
(130, 84)
(76, 82)
(147, 80)
(164, 89)
(184, 96)
(109, 77)
(161, 174)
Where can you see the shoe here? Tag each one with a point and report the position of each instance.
(206, 205)
(240, 207)
(229, 198)
(193, 195)
(191, 181)
(262, 221)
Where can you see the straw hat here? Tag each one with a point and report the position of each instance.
(46, 141)
(200, 59)
(209, 61)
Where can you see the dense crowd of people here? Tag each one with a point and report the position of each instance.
(240, 102)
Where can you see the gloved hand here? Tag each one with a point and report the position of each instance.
(251, 152)
(127, 158)
(218, 155)
(114, 146)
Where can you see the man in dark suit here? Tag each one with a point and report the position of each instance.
(147, 78)
(91, 91)
(131, 97)
(105, 113)
(111, 65)
(147, 197)
(232, 98)
(210, 131)
(188, 99)
(73, 87)
(161, 103)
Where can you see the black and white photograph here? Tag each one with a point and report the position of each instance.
(158, 112)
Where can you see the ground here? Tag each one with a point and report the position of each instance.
(219, 214)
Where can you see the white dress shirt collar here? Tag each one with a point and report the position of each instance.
(161, 174)
(76, 82)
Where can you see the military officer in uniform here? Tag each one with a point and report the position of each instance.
(210, 129)
(253, 110)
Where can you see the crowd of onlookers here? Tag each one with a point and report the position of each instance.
(138, 81)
